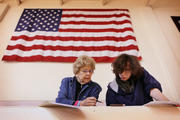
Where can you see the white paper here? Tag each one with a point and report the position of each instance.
(54, 104)
(163, 103)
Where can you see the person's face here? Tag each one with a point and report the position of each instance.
(84, 75)
(125, 75)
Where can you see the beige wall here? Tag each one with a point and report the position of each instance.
(157, 37)
(172, 39)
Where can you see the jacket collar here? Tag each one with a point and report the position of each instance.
(114, 86)
(73, 85)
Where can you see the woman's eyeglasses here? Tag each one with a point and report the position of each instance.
(87, 71)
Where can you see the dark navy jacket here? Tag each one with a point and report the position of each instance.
(140, 95)
(67, 92)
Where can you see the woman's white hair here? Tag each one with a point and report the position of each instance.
(83, 61)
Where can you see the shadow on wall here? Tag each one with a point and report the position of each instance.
(3, 10)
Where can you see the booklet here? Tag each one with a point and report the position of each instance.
(163, 103)
(54, 104)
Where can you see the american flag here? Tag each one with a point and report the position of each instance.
(61, 35)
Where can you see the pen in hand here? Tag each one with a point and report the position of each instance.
(98, 101)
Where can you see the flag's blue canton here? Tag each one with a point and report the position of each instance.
(39, 20)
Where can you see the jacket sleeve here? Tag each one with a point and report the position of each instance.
(110, 97)
(96, 91)
(150, 82)
(63, 93)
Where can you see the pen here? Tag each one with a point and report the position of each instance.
(98, 101)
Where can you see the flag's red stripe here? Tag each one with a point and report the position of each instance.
(73, 48)
(96, 10)
(96, 16)
(38, 37)
(96, 23)
(62, 48)
(54, 59)
(96, 30)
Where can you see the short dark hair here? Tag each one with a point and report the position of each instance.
(123, 61)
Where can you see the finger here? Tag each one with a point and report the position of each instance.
(91, 104)
(91, 98)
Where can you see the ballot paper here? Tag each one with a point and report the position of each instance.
(163, 103)
(54, 104)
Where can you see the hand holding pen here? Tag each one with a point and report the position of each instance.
(89, 101)
(98, 101)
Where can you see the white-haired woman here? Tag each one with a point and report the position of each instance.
(80, 90)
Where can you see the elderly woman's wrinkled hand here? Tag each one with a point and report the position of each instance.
(89, 101)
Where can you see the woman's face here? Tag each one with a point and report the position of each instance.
(125, 75)
(84, 75)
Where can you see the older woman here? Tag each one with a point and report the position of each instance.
(80, 90)
(133, 85)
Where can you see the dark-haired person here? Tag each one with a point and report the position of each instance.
(80, 90)
(133, 85)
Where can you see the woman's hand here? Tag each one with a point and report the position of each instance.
(89, 101)
(157, 95)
